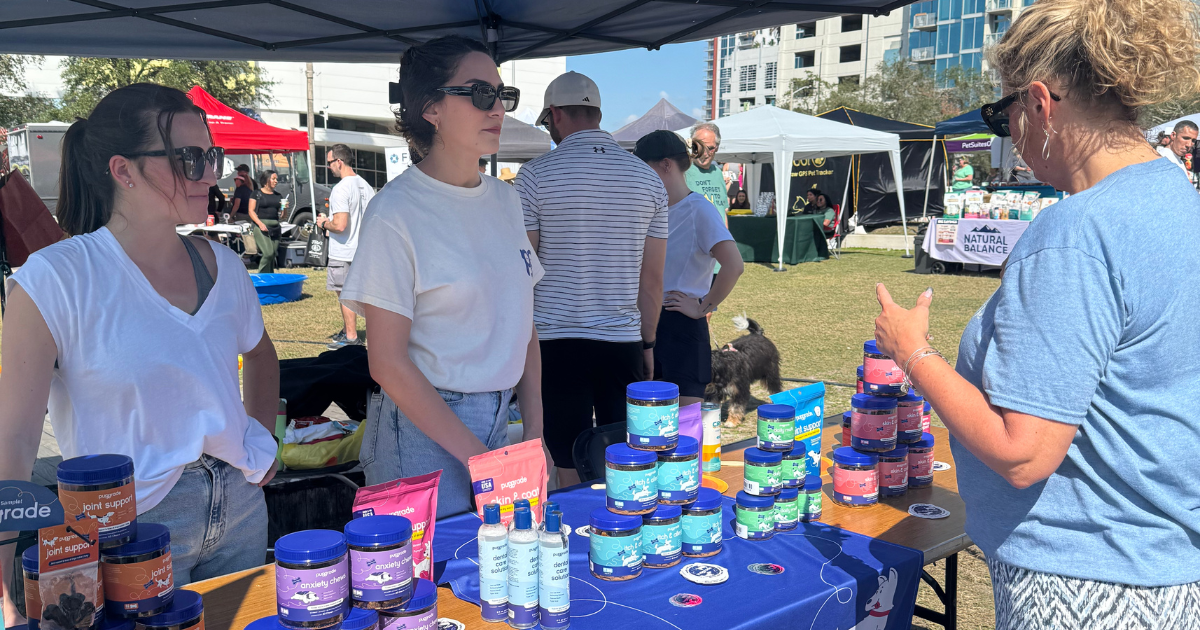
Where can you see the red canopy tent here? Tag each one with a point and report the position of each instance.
(239, 133)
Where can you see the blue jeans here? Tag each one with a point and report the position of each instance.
(218, 521)
(393, 447)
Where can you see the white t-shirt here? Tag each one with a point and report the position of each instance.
(1175, 159)
(695, 228)
(139, 377)
(351, 196)
(457, 262)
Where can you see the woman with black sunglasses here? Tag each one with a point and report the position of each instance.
(132, 333)
(444, 276)
(1069, 408)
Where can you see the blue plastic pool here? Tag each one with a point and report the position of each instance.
(277, 288)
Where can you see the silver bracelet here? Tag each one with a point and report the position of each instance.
(904, 366)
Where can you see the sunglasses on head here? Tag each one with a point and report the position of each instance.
(195, 160)
(483, 96)
(995, 115)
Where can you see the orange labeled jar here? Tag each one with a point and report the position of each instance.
(100, 487)
(33, 597)
(137, 575)
(186, 612)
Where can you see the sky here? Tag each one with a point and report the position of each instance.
(632, 81)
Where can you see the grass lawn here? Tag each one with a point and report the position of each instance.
(818, 314)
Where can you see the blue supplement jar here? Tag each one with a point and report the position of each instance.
(859, 387)
(846, 424)
(100, 487)
(811, 510)
(881, 375)
(420, 613)
(702, 525)
(109, 622)
(360, 619)
(794, 467)
(920, 462)
(787, 509)
(662, 537)
(186, 611)
(652, 415)
(909, 410)
(33, 599)
(893, 472)
(381, 566)
(855, 478)
(754, 516)
(763, 474)
(679, 472)
(138, 578)
(630, 479)
(776, 427)
(312, 579)
(615, 545)
(872, 423)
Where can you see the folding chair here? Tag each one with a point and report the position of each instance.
(834, 242)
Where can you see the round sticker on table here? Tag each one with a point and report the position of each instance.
(704, 573)
(450, 624)
(764, 568)
(584, 530)
(927, 510)
(686, 600)
(940, 466)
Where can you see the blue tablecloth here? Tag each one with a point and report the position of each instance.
(831, 579)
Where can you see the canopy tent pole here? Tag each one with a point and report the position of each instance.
(900, 196)
(312, 192)
(842, 212)
(783, 172)
(929, 176)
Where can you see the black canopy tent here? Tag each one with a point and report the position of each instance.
(663, 115)
(865, 182)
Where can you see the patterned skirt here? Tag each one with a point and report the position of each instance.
(1029, 600)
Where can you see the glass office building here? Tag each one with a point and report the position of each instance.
(954, 33)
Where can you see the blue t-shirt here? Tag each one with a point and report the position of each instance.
(1095, 324)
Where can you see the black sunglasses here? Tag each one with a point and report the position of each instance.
(194, 159)
(995, 115)
(483, 96)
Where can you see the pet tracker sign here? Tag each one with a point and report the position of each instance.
(69, 575)
(26, 507)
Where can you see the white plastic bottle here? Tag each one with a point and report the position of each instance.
(523, 571)
(554, 574)
(493, 566)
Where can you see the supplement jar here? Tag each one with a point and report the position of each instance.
(710, 450)
(420, 613)
(109, 622)
(381, 567)
(186, 612)
(909, 409)
(702, 525)
(794, 467)
(855, 478)
(787, 509)
(615, 551)
(926, 417)
(763, 474)
(872, 423)
(138, 581)
(881, 375)
(920, 462)
(754, 517)
(100, 487)
(33, 597)
(893, 472)
(312, 579)
(662, 537)
(630, 479)
(360, 619)
(679, 472)
(846, 423)
(811, 510)
(859, 387)
(776, 427)
(652, 415)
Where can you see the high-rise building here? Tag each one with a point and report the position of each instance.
(840, 49)
(949, 33)
(742, 72)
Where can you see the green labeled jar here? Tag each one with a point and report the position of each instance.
(776, 428)
(755, 517)
(763, 474)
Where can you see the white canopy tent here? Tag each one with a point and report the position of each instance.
(771, 134)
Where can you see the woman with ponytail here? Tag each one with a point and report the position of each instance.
(132, 333)
(1070, 409)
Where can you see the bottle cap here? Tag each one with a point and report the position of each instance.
(522, 518)
(491, 514)
(554, 521)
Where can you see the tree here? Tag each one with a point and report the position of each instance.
(236, 83)
(16, 106)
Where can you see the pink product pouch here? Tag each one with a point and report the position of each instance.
(691, 426)
(508, 474)
(414, 498)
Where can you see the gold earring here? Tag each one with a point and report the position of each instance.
(435, 127)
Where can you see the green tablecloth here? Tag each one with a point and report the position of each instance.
(757, 239)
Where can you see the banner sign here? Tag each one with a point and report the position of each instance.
(974, 241)
(969, 146)
(827, 174)
(26, 506)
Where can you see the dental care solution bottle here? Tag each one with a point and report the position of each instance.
(493, 566)
(554, 565)
(523, 571)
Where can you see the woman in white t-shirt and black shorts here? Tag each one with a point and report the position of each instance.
(444, 276)
(132, 333)
(697, 240)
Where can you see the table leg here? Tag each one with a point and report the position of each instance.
(948, 596)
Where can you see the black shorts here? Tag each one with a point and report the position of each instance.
(582, 378)
(682, 353)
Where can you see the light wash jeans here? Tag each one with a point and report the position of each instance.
(218, 521)
(393, 447)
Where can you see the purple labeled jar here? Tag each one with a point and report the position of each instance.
(312, 579)
(381, 568)
(893, 472)
(910, 409)
(872, 423)
(420, 613)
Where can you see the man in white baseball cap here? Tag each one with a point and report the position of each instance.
(572, 104)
